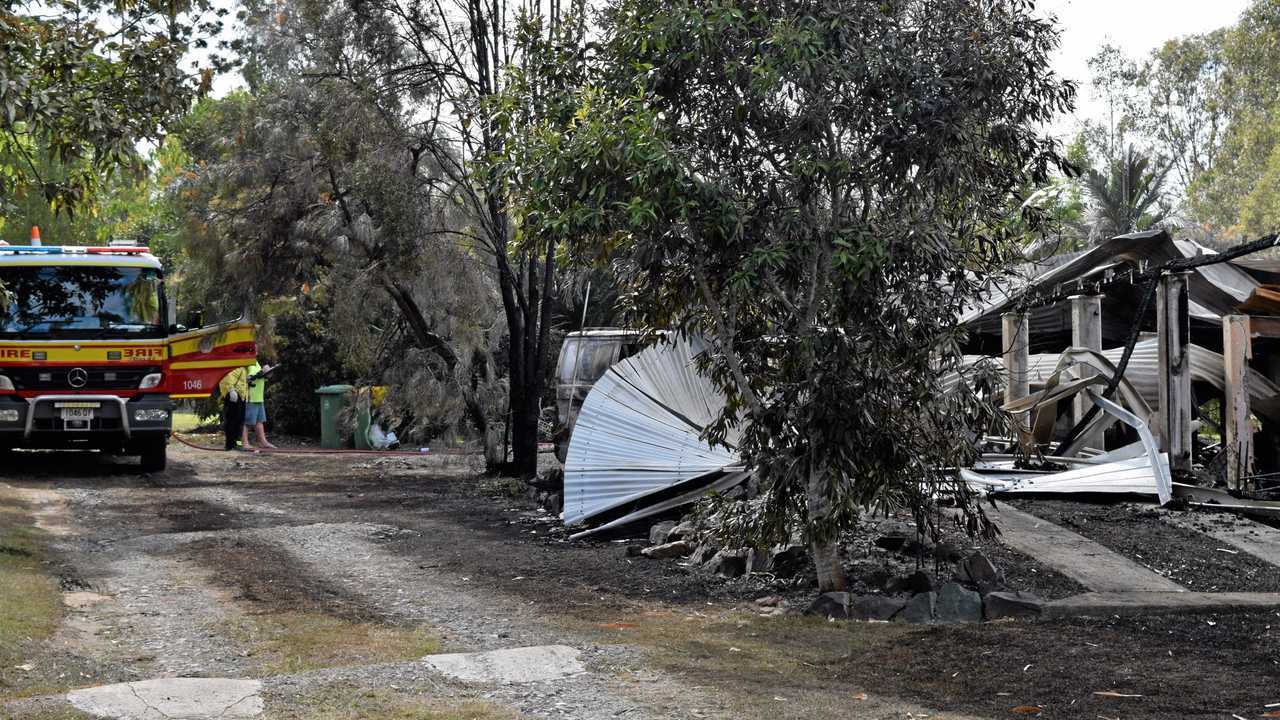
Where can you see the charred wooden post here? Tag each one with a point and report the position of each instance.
(1237, 426)
(1016, 341)
(1086, 332)
(1173, 320)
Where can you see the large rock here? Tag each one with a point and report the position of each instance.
(875, 607)
(915, 583)
(683, 531)
(679, 548)
(730, 563)
(893, 542)
(957, 603)
(945, 552)
(1000, 605)
(830, 605)
(979, 570)
(659, 533)
(919, 609)
(787, 560)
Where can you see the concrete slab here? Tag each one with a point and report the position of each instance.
(1079, 558)
(1158, 603)
(517, 665)
(172, 699)
(1260, 541)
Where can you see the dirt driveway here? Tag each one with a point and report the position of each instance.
(330, 577)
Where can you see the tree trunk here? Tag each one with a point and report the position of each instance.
(826, 553)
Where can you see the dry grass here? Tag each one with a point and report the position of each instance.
(292, 642)
(758, 667)
(345, 702)
(30, 601)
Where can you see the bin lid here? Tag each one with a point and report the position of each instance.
(334, 390)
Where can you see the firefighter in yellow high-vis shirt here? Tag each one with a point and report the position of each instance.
(255, 413)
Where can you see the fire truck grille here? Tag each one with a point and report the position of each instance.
(66, 378)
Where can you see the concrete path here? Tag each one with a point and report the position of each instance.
(1260, 541)
(1099, 604)
(517, 665)
(1073, 555)
(172, 699)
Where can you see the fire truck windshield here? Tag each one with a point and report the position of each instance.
(81, 302)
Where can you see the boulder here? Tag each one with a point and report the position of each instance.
(878, 578)
(830, 605)
(729, 563)
(917, 582)
(957, 603)
(787, 560)
(979, 570)
(683, 531)
(919, 609)
(875, 607)
(892, 542)
(949, 553)
(1000, 605)
(679, 548)
(659, 533)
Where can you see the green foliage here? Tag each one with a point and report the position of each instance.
(821, 188)
(1238, 195)
(82, 83)
(309, 360)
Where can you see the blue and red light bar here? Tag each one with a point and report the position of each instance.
(37, 247)
(73, 249)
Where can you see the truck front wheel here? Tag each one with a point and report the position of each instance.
(154, 456)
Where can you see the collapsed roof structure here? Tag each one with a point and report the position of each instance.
(1153, 359)
(1191, 332)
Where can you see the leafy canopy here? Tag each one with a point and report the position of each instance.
(820, 186)
(82, 82)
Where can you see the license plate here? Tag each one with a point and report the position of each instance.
(76, 418)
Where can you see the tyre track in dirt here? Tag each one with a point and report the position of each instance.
(151, 548)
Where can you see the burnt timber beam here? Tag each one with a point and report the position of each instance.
(1173, 320)
(1237, 426)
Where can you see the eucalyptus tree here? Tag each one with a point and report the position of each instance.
(318, 179)
(820, 187)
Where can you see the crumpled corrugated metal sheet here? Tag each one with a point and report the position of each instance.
(639, 432)
(1143, 373)
(1128, 477)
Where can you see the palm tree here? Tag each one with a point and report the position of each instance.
(1128, 197)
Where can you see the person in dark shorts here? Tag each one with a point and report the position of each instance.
(234, 388)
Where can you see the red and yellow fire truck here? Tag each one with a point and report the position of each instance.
(91, 356)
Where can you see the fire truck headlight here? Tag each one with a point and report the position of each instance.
(9, 415)
(150, 381)
(150, 415)
(5, 383)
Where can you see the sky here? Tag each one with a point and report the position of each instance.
(1135, 26)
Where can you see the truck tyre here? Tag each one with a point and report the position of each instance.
(154, 456)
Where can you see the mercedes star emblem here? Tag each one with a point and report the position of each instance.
(77, 377)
